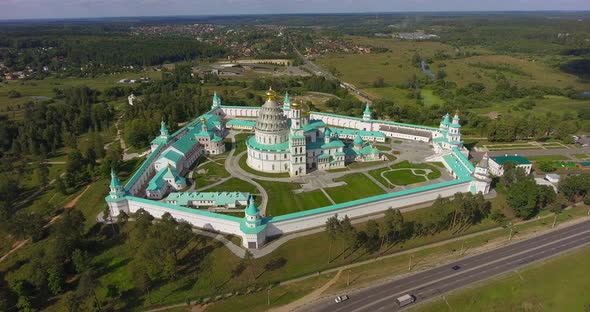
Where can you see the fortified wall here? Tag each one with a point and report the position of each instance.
(255, 229)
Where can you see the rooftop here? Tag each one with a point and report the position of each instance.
(515, 159)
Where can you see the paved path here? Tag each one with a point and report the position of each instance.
(232, 166)
(434, 282)
(379, 184)
(328, 196)
(314, 295)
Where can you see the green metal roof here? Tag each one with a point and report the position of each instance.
(157, 182)
(185, 144)
(235, 106)
(515, 159)
(367, 109)
(243, 123)
(362, 133)
(115, 182)
(252, 210)
(171, 155)
(282, 147)
(464, 159)
(358, 140)
(219, 198)
(142, 168)
(447, 120)
(313, 125)
(255, 230)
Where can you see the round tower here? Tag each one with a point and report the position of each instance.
(272, 127)
(367, 113)
(116, 187)
(252, 214)
(216, 101)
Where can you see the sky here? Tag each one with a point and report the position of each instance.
(20, 9)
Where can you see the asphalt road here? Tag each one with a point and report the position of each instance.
(435, 282)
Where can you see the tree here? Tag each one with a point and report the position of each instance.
(498, 217)
(332, 229)
(60, 186)
(55, 278)
(379, 83)
(81, 260)
(372, 232)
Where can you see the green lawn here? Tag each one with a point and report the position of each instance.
(403, 177)
(281, 199)
(234, 185)
(241, 142)
(357, 186)
(548, 158)
(435, 174)
(558, 284)
(430, 99)
(214, 173)
(581, 156)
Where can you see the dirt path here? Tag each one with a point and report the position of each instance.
(314, 295)
(18, 245)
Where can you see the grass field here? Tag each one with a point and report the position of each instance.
(282, 200)
(403, 177)
(435, 174)
(234, 185)
(357, 186)
(215, 171)
(550, 103)
(558, 284)
(548, 158)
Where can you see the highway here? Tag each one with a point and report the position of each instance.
(437, 281)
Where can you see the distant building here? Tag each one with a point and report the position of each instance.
(552, 177)
(208, 199)
(131, 98)
(497, 164)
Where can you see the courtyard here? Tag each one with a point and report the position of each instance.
(278, 193)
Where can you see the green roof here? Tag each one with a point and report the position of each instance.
(515, 159)
(243, 123)
(115, 182)
(446, 119)
(367, 109)
(358, 140)
(142, 168)
(362, 133)
(282, 147)
(185, 144)
(219, 198)
(313, 125)
(171, 155)
(157, 182)
(463, 159)
(252, 210)
(255, 230)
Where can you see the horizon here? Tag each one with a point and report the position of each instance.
(17, 10)
(116, 17)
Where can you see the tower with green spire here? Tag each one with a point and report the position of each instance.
(286, 102)
(163, 129)
(116, 186)
(216, 101)
(367, 113)
(252, 214)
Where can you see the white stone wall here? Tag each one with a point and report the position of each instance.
(316, 220)
(204, 222)
(240, 111)
(268, 161)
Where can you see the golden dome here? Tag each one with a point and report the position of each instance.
(271, 95)
(295, 105)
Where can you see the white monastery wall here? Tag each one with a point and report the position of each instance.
(201, 221)
(317, 220)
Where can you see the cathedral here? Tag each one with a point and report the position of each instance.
(286, 140)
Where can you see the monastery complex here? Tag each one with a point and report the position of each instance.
(288, 138)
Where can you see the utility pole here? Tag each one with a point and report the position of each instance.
(554, 221)
(462, 245)
(445, 299)
(410, 264)
(348, 279)
(268, 297)
(521, 278)
(511, 230)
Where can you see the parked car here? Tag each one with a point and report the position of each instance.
(341, 298)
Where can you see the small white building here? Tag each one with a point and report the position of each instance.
(208, 199)
(497, 164)
(552, 177)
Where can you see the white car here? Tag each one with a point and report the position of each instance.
(341, 298)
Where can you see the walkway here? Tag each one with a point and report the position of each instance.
(232, 166)
(314, 295)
